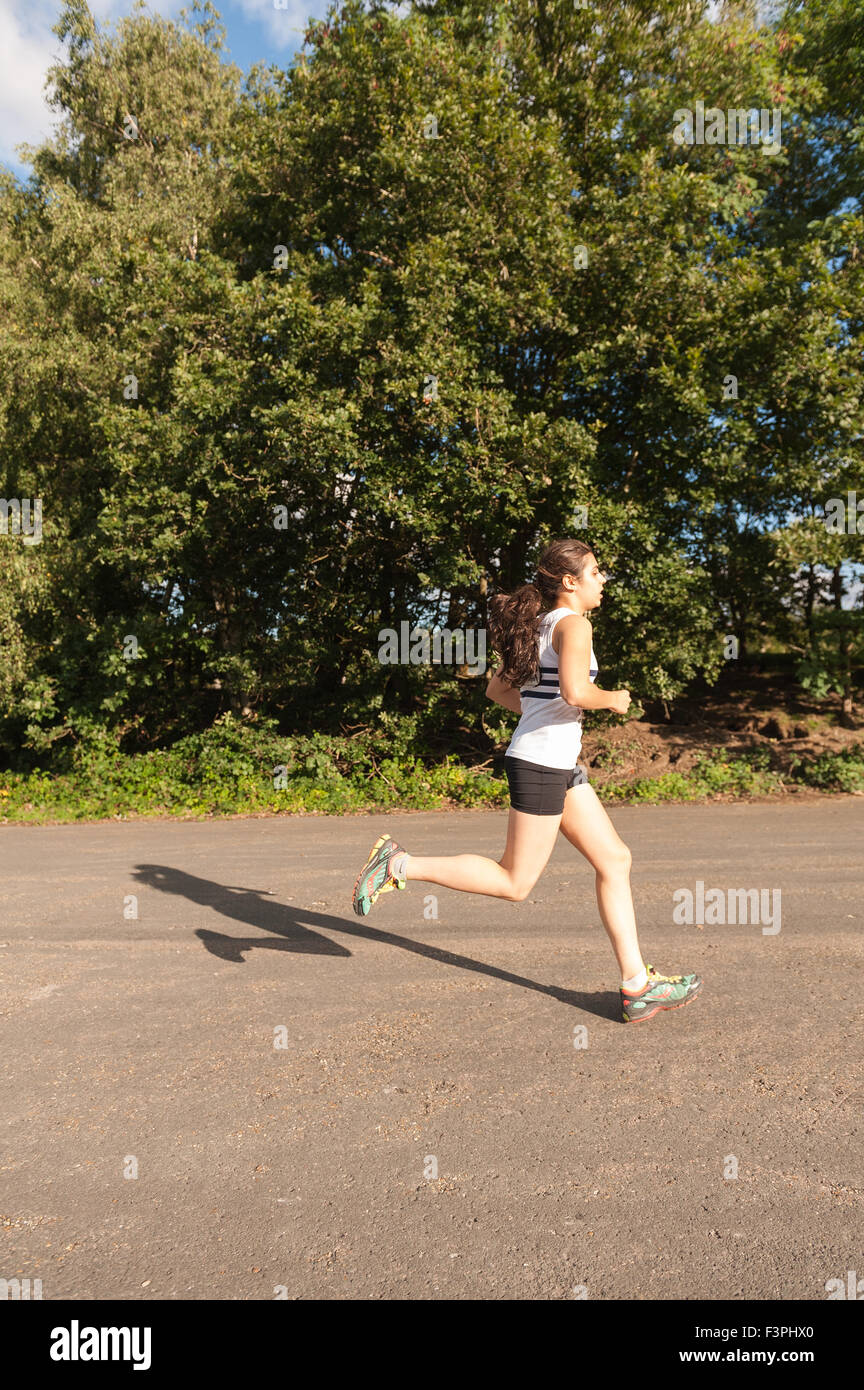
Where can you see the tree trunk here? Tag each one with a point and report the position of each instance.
(844, 645)
(809, 601)
(229, 635)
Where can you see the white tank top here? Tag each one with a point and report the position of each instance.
(550, 730)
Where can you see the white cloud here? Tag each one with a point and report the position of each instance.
(27, 49)
(284, 27)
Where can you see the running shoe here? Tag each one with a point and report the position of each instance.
(376, 877)
(661, 992)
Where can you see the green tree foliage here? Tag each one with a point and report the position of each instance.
(296, 359)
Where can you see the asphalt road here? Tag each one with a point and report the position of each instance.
(425, 1127)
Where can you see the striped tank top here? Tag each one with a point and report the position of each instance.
(550, 730)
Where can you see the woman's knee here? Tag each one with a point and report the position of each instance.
(618, 860)
(519, 892)
(519, 889)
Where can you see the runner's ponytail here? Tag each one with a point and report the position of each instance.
(514, 619)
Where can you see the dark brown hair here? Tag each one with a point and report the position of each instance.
(514, 618)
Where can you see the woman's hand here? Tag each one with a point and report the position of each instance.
(619, 701)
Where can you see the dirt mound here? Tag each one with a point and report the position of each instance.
(739, 716)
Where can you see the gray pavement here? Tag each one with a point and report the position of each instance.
(426, 1127)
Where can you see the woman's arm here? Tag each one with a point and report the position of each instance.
(506, 695)
(574, 664)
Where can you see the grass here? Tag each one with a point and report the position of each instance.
(248, 769)
(709, 777)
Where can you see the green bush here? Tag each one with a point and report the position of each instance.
(843, 771)
(229, 770)
(710, 776)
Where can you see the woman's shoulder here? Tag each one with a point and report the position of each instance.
(579, 620)
(569, 623)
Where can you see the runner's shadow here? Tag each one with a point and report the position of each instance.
(293, 931)
(254, 906)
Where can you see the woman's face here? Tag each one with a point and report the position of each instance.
(588, 590)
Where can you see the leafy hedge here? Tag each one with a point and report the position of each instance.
(236, 768)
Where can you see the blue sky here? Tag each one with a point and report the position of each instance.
(255, 31)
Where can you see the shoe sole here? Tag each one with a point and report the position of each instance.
(375, 848)
(664, 1008)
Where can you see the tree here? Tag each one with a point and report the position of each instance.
(298, 359)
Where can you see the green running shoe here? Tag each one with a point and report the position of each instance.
(375, 877)
(661, 992)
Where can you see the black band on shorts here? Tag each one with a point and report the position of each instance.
(539, 790)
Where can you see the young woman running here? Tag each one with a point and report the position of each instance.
(547, 676)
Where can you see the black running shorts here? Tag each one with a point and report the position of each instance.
(541, 790)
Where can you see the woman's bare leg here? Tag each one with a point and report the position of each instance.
(530, 840)
(587, 826)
